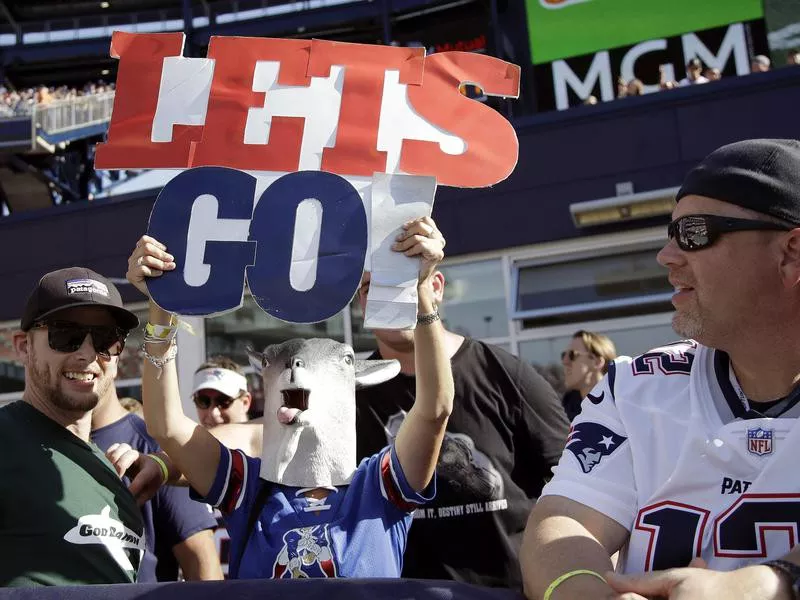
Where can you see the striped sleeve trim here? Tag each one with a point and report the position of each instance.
(235, 483)
(390, 486)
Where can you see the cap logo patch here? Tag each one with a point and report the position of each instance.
(86, 286)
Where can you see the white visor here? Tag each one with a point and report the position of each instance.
(223, 380)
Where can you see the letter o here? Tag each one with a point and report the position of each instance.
(340, 258)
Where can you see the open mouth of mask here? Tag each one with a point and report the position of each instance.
(295, 401)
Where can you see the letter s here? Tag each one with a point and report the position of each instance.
(492, 146)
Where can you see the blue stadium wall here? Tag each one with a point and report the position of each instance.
(566, 157)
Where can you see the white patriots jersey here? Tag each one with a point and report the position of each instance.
(665, 446)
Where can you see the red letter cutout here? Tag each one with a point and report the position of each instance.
(232, 95)
(141, 58)
(492, 146)
(356, 150)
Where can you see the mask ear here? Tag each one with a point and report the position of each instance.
(257, 360)
(373, 372)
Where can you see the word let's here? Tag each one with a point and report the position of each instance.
(285, 105)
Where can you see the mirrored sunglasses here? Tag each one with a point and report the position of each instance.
(696, 232)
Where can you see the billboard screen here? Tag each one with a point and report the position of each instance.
(565, 28)
(568, 82)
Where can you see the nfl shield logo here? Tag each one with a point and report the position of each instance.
(759, 441)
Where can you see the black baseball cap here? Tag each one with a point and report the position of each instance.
(762, 175)
(71, 287)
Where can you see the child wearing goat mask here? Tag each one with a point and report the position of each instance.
(306, 509)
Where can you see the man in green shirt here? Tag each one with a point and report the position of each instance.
(66, 518)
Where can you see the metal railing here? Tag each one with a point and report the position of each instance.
(62, 115)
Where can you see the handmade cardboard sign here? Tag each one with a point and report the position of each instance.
(304, 158)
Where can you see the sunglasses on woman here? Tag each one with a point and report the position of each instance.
(66, 336)
(573, 354)
(206, 401)
(696, 232)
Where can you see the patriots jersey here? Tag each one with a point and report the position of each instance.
(358, 530)
(669, 447)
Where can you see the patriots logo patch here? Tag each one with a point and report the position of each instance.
(590, 442)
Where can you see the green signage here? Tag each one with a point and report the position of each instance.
(564, 28)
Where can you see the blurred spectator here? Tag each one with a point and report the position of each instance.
(793, 58)
(43, 95)
(712, 74)
(590, 101)
(622, 87)
(634, 88)
(585, 361)
(694, 73)
(220, 393)
(132, 405)
(21, 102)
(663, 82)
(760, 64)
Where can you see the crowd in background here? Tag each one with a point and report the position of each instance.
(696, 73)
(21, 102)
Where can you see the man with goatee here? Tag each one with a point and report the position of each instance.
(66, 518)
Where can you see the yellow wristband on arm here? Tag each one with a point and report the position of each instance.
(562, 578)
(160, 462)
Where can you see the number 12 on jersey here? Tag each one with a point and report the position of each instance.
(677, 530)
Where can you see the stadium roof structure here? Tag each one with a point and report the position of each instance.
(25, 11)
(66, 42)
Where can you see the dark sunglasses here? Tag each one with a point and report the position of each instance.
(206, 401)
(695, 232)
(66, 336)
(573, 354)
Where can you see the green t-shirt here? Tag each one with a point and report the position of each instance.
(66, 518)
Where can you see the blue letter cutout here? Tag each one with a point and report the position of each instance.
(203, 216)
(342, 247)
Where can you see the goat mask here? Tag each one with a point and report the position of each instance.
(310, 409)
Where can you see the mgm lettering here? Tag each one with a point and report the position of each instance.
(568, 82)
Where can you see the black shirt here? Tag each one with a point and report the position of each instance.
(506, 431)
(571, 401)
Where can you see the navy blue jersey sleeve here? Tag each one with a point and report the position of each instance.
(236, 477)
(177, 517)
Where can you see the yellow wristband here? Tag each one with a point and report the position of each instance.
(161, 333)
(160, 462)
(561, 579)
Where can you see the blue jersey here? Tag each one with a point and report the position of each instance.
(358, 530)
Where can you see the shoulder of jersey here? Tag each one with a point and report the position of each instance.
(669, 351)
(668, 365)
